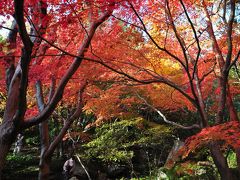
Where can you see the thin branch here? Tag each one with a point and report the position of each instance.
(210, 31)
(79, 160)
(43, 127)
(206, 74)
(164, 117)
(224, 11)
(179, 38)
(68, 123)
(195, 36)
(39, 95)
(19, 9)
(52, 89)
(10, 58)
(126, 22)
(146, 81)
(154, 42)
(229, 36)
(234, 61)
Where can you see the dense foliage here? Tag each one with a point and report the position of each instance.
(85, 63)
(114, 141)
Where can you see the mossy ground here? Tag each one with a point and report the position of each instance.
(24, 166)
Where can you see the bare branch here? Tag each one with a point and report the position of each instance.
(154, 42)
(196, 38)
(19, 9)
(69, 122)
(146, 81)
(235, 60)
(206, 74)
(224, 11)
(164, 117)
(179, 38)
(229, 36)
(10, 58)
(39, 95)
(52, 89)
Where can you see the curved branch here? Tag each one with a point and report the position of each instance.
(147, 81)
(10, 58)
(19, 81)
(69, 122)
(19, 16)
(234, 61)
(164, 117)
(71, 70)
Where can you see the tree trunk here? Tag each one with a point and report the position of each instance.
(221, 163)
(48, 149)
(44, 163)
(232, 110)
(44, 168)
(4, 149)
(7, 137)
(10, 59)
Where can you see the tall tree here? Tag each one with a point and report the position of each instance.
(198, 39)
(14, 119)
(186, 48)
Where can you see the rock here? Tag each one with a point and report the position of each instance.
(117, 170)
(78, 172)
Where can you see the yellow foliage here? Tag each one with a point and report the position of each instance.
(165, 66)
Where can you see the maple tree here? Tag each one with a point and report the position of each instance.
(205, 38)
(182, 51)
(35, 43)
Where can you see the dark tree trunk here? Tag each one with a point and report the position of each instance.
(10, 59)
(7, 137)
(15, 107)
(221, 163)
(5, 147)
(232, 110)
(44, 167)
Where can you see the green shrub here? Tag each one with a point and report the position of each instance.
(19, 158)
(112, 142)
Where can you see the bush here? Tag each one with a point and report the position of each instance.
(113, 142)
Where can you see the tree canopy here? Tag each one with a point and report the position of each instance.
(163, 56)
